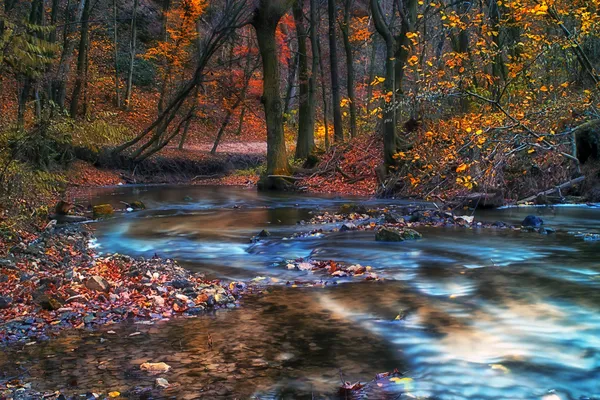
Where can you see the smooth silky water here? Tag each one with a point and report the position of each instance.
(487, 314)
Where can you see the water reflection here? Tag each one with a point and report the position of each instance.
(481, 314)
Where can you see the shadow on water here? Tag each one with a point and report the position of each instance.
(479, 314)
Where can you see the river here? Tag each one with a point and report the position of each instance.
(464, 313)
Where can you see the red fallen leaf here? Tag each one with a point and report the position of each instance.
(349, 387)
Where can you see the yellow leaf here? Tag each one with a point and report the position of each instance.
(461, 168)
(114, 394)
(544, 89)
(530, 151)
(479, 132)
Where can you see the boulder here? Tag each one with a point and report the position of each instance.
(102, 210)
(532, 221)
(98, 284)
(396, 235)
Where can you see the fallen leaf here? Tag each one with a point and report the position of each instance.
(155, 368)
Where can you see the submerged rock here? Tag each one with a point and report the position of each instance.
(264, 233)
(532, 221)
(102, 210)
(386, 234)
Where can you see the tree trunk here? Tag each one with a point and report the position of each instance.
(238, 131)
(267, 17)
(81, 57)
(36, 17)
(116, 54)
(324, 96)
(165, 36)
(305, 141)
(389, 114)
(349, 66)
(372, 58)
(291, 79)
(132, 46)
(59, 80)
(338, 133)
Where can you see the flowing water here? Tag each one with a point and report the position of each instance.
(486, 314)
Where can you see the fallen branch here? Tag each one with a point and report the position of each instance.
(555, 189)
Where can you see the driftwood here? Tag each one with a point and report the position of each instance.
(555, 189)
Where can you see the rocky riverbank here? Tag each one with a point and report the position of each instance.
(55, 281)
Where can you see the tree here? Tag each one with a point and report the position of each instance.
(345, 28)
(306, 139)
(389, 116)
(132, 50)
(266, 17)
(220, 24)
(338, 133)
(81, 57)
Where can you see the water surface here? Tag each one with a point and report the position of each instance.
(484, 314)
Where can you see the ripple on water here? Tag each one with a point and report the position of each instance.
(482, 314)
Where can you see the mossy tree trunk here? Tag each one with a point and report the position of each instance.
(266, 18)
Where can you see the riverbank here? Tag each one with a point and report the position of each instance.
(54, 281)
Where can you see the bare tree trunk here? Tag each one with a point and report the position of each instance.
(132, 48)
(165, 37)
(116, 54)
(81, 58)
(324, 96)
(305, 141)
(349, 66)
(238, 131)
(371, 78)
(338, 133)
(291, 79)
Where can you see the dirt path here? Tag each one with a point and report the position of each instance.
(231, 147)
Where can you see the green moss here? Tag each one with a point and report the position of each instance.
(102, 211)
